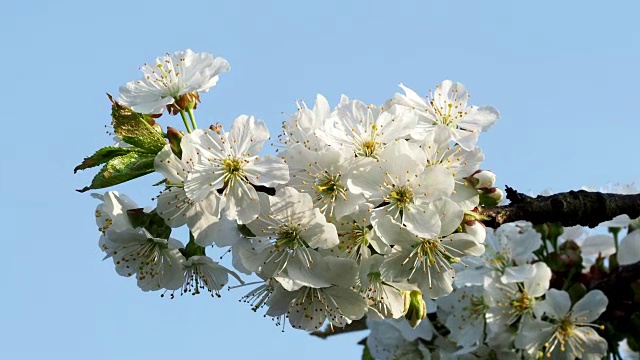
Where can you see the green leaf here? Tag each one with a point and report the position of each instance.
(104, 155)
(121, 169)
(136, 129)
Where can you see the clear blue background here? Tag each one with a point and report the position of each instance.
(563, 74)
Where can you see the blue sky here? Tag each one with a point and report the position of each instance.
(563, 74)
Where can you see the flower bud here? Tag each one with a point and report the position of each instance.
(476, 229)
(415, 307)
(175, 137)
(483, 179)
(491, 196)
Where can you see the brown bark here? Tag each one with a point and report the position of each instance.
(569, 208)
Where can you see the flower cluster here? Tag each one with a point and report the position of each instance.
(365, 210)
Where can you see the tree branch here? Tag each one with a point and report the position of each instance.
(569, 208)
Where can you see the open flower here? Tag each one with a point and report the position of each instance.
(425, 261)
(170, 77)
(308, 307)
(446, 108)
(228, 163)
(157, 263)
(111, 214)
(570, 334)
(202, 273)
(365, 130)
(399, 185)
(203, 217)
(322, 175)
(286, 232)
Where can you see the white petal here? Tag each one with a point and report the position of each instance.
(247, 135)
(267, 170)
(590, 307)
(351, 304)
(538, 284)
(480, 118)
(422, 220)
(170, 166)
(514, 274)
(242, 203)
(556, 303)
(436, 182)
(629, 249)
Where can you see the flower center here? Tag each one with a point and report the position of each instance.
(522, 303)
(233, 170)
(167, 75)
(374, 277)
(478, 306)
(329, 187)
(400, 196)
(500, 262)
(452, 111)
(430, 253)
(368, 148)
(355, 242)
(288, 238)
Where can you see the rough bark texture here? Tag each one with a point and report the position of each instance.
(569, 208)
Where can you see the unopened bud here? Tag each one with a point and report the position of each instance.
(491, 197)
(483, 179)
(476, 229)
(175, 137)
(415, 307)
(554, 230)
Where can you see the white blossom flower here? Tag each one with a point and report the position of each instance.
(229, 163)
(356, 236)
(157, 263)
(570, 332)
(365, 130)
(300, 127)
(384, 299)
(287, 231)
(202, 273)
(111, 214)
(393, 339)
(169, 77)
(447, 108)
(426, 262)
(515, 300)
(175, 207)
(509, 252)
(399, 185)
(308, 307)
(322, 175)
(459, 161)
(595, 246)
(464, 310)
